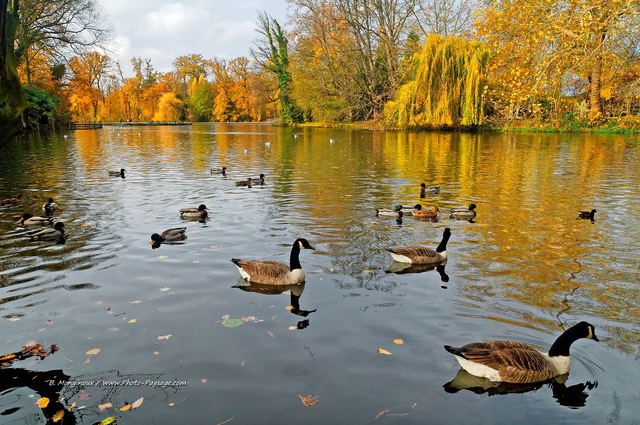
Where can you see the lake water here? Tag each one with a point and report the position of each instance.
(170, 330)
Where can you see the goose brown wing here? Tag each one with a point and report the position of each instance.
(517, 362)
(418, 254)
(267, 272)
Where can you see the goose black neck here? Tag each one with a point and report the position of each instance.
(294, 259)
(445, 239)
(562, 345)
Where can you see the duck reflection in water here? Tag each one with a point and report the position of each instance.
(294, 290)
(571, 396)
(47, 384)
(405, 268)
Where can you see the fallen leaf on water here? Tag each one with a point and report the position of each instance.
(84, 396)
(380, 414)
(13, 319)
(93, 351)
(164, 337)
(105, 406)
(232, 323)
(289, 307)
(137, 403)
(156, 352)
(135, 302)
(42, 402)
(72, 406)
(165, 289)
(163, 256)
(204, 380)
(114, 329)
(108, 421)
(125, 407)
(132, 321)
(309, 400)
(271, 334)
(59, 414)
(86, 224)
(398, 341)
(383, 351)
(293, 328)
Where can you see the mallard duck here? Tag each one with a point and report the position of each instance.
(50, 207)
(259, 180)
(12, 201)
(410, 210)
(519, 363)
(30, 220)
(424, 189)
(246, 182)
(587, 214)
(462, 212)
(426, 213)
(170, 235)
(222, 171)
(117, 173)
(386, 212)
(199, 213)
(275, 272)
(421, 254)
(51, 233)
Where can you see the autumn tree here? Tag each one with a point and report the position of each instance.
(89, 74)
(12, 99)
(448, 18)
(56, 29)
(190, 67)
(201, 98)
(446, 88)
(170, 108)
(539, 45)
(272, 53)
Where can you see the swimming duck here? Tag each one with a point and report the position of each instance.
(246, 182)
(222, 171)
(12, 201)
(426, 213)
(30, 220)
(424, 189)
(587, 214)
(421, 254)
(409, 210)
(259, 180)
(169, 235)
(51, 233)
(117, 173)
(462, 212)
(50, 207)
(275, 272)
(195, 213)
(386, 212)
(519, 363)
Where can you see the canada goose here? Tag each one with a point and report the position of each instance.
(519, 363)
(169, 235)
(30, 220)
(386, 212)
(50, 233)
(275, 272)
(424, 189)
(195, 213)
(222, 171)
(426, 213)
(50, 207)
(259, 180)
(246, 182)
(587, 214)
(462, 212)
(421, 254)
(12, 201)
(117, 173)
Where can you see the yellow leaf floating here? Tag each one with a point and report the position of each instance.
(94, 351)
(59, 414)
(125, 407)
(383, 351)
(289, 307)
(86, 224)
(108, 421)
(165, 289)
(132, 321)
(164, 336)
(398, 341)
(42, 402)
(309, 400)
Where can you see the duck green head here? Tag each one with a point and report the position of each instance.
(472, 206)
(398, 208)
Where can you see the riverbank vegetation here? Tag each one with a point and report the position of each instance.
(455, 64)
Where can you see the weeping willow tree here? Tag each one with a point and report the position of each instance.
(445, 86)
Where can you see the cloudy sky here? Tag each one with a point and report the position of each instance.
(162, 30)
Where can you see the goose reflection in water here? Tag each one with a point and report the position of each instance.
(294, 290)
(404, 268)
(571, 396)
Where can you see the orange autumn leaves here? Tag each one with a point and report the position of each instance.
(387, 352)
